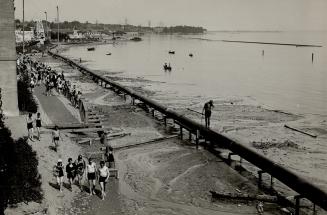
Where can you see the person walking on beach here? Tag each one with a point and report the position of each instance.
(38, 124)
(70, 170)
(80, 168)
(103, 138)
(51, 86)
(59, 173)
(56, 137)
(29, 122)
(108, 157)
(91, 170)
(103, 178)
(207, 112)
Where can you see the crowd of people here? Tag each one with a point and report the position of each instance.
(78, 170)
(53, 81)
(40, 73)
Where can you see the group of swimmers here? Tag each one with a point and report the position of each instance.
(75, 171)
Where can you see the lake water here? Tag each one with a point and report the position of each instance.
(285, 78)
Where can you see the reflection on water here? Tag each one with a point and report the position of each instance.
(283, 78)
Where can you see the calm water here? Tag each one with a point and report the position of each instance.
(284, 78)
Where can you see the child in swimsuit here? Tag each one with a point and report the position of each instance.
(103, 178)
(90, 169)
(70, 170)
(29, 121)
(59, 173)
(80, 168)
(55, 137)
(38, 124)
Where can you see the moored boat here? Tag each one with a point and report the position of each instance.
(136, 39)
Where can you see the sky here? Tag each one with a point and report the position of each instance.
(211, 14)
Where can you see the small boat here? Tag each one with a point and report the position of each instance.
(91, 49)
(167, 67)
(191, 55)
(108, 53)
(171, 52)
(136, 39)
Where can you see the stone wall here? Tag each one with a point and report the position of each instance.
(8, 79)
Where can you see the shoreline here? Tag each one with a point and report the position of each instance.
(255, 123)
(132, 119)
(100, 91)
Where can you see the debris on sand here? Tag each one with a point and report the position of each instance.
(281, 145)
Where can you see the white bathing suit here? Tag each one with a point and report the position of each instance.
(103, 171)
(91, 168)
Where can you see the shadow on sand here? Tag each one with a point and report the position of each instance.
(53, 148)
(54, 185)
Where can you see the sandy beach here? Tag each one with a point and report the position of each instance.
(166, 177)
(54, 202)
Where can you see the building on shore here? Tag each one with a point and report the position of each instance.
(28, 35)
(8, 80)
(158, 30)
(76, 35)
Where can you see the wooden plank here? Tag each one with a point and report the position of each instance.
(109, 137)
(68, 126)
(300, 131)
(145, 143)
(113, 172)
(79, 130)
(94, 120)
(246, 197)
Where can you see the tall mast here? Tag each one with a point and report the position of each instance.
(46, 25)
(58, 21)
(23, 26)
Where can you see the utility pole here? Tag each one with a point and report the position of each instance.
(58, 22)
(46, 25)
(23, 26)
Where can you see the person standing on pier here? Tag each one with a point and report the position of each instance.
(207, 112)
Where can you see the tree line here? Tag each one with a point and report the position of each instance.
(183, 29)
(105, 28)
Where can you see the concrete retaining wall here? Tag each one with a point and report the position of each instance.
(8, 77)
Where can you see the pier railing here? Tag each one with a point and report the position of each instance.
(302, 186)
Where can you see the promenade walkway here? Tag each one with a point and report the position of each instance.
(55, 109)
